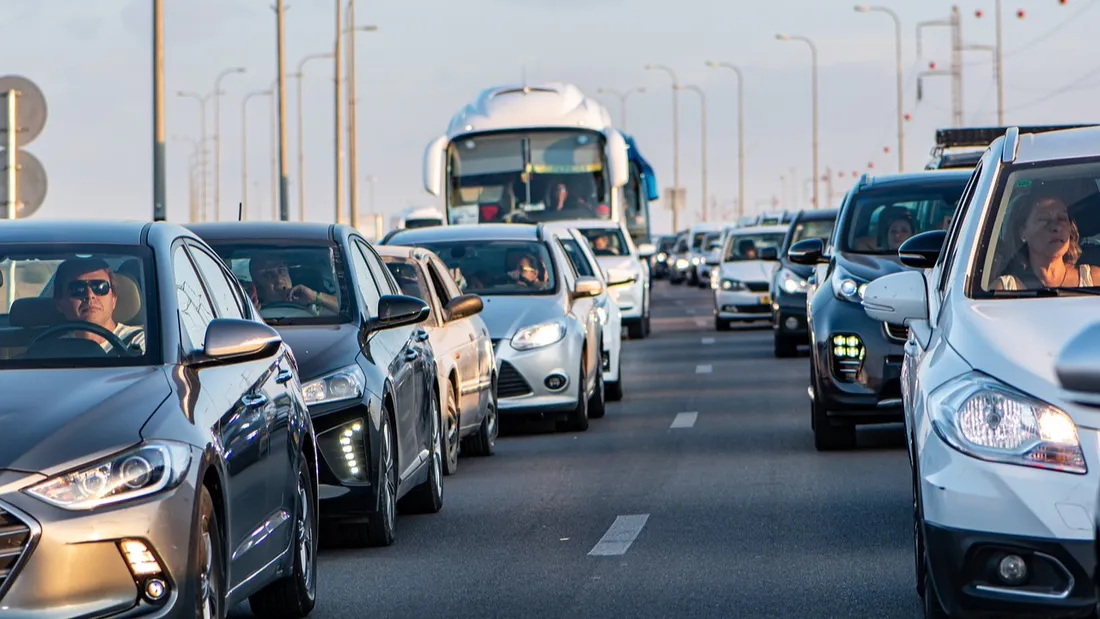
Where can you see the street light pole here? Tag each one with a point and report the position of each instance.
(861, 8)
(301, 134)
(675, 142)
(813, 57)
(703, 114)
(353, 129)
(284, 180)
(202, 129)
(623, 96)
(160, 211)
(218, 138)
(740, 133)
(338, 118)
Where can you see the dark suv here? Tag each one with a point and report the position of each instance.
(855, 362)
(790, 282)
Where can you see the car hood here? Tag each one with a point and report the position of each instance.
(748, 270)
(320, 349)
(870, 267)
(56, 418)
(504, 315)
(1017, 341)
(623, 264)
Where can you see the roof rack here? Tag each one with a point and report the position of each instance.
(983, 136)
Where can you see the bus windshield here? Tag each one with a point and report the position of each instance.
(527, 177)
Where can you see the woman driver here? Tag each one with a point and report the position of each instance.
(1050, 247)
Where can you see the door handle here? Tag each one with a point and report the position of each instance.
(283, 376)
(411, 355)
(253, 400)
(421, 335)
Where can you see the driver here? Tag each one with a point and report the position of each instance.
(84, 291)
(271, 280)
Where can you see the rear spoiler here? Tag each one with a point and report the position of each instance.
(983, 136)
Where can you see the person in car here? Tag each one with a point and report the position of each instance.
(746, 250)
(1049, 246)
(895, 227)
(601, 246)
(85, 291)
(272, 284)
(527, 271)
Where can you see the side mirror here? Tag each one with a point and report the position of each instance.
(645, 250)
(1078, 364)
(618, 160)
(807, 252)
(771, 254)
(229, 339)
(433, 165)
(923, 250)
(463, 306)
(897, 298)
(397, 310)
(587, 287)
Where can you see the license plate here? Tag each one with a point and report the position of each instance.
(765, 300)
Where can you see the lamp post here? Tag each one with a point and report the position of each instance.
(623, 96)
(861, 8)
(218, 138)
(202, 129)
(813, 57)
(301, 134)
(160, 211)
(353, 130)
(675, 141)
(703, 115)
(740, 132)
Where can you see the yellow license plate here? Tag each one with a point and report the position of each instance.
(765, 300)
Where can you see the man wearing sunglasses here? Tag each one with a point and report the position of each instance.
(84, 290)
(271, 278)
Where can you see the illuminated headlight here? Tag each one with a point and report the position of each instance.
(147, 469)
(681, 263)
(696, 260)
(987, 419)
(537, 336)
(715, 278)
(846, 287)
(343, 384)
(344, 448)
(790, 282)
(662, 256)
(733, 285)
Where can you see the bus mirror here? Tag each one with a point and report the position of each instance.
(652, 192)
(433, 165)
(618, 162)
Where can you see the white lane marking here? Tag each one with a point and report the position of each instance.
(620, 536)
(691, 311)
(701, 322)
(703, 369)
(679, 301)
(684, 420)
(708, 340)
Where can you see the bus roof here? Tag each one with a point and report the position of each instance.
(517, 106)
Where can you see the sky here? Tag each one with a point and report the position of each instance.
(93, 62)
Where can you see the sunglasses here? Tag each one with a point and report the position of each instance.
(79, 288)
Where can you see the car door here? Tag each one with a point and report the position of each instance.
(584, 309)
(461, 341)
(235, 400)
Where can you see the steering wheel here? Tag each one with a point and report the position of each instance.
(68, 327)
(296, 310)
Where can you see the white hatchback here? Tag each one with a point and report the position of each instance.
(743, 278)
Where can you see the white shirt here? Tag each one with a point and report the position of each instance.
(133, 337)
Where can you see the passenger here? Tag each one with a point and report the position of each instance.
(85, 291)
(526, 270)
(1049, 247)
(271, 279)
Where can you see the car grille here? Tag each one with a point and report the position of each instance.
(757, 286)
(510, 383)
(15, 538)
(896, 332)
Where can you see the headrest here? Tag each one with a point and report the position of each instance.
(129, 299)
(33, 312)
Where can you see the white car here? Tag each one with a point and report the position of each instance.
(1000, 388)
(742, 280)
(621, 261)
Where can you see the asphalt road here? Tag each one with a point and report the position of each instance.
(732, 513)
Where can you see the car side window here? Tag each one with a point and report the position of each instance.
(947, 255)
(194, 306)
(441, 290)
(576, 257)
(443, 276)
(364, 281)
(226, 300)
(386, 284)
(572, 271)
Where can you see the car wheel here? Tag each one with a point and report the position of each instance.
(381, 530)
(785, 347)
(614, 390)
(578, 419)
(295, 596)
(829, 437)
(721, 324)
(483, 443)
(450, 434)
(427, 498)
(597, 405)
(209, 560)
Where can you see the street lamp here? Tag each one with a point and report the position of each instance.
(813, 56)
(218, 138)
(353, 131)
(675, 140)
(202, 129)
(740, 132)
(622, 101)
(301, 135)
(703, 107)
(861, 8)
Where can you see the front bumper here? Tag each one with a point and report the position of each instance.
(630, 299)
(345, 493)
(789, 313)
(742, 305)
(522, 377)
(976, 512)
(72, 564)
(866, 390)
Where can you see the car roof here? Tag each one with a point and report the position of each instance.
(124, 232)
(950, 176)
(773, 229)
(259, 230)
(1053, 145)
(468, 232)
(584, 224)
(818, 214)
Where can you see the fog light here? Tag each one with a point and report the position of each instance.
(1012, 569)
(344, 448)
(139, 558)
(155, 589)
(791, 323)
(555, 382)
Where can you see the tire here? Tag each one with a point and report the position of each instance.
(450, 433)
(721, 325)
(483, 443)
(635, 330)
(427, 498)
(829, 437)
(785, 347)
(931, 600)
(614, 390)
(294, 596)
(597, 404)
(208, 559)
(578, 419)
(381, 530)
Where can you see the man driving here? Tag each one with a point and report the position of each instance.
(271, 284)
(84, 291)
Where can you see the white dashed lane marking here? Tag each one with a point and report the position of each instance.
(703, 369)
(620, 536)
(684, 420)
(708, 340)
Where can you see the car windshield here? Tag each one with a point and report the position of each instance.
(712, 241)
(879, 221)
(606, 241)
(1044, 232)
(747, 246)
(697, 241)
(813, 229)
(408, 277)
(492, 268)
(77, 306)
(290, 283)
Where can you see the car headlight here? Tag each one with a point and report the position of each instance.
(987, 419)
(791, 283)
(346, 383)
(662, 256)
(146, 469)
(681, 263)
(847, 287)
(696, 260)
(733, 285)
(537, 336)
(715, 278)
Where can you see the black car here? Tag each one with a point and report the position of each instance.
(855, 362)
(789, 285)
(368, 371)
(658, 267)
(157, 457)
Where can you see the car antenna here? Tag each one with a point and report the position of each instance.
(240, 211)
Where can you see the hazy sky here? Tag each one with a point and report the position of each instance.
(92, 59)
